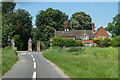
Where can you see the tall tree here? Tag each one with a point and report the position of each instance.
(47, 21)
(22, 25)
(114, 26)
(81, 21)
(7, 10)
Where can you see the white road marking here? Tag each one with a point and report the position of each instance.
(34, 65)
(33, 59)
(32, 55)
(34, 76)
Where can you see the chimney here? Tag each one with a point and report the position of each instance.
(65, 25)
(93, 27)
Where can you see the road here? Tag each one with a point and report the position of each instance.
(32, 66)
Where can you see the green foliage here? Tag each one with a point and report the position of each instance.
(18, 22)
(80, 21)
(47, 21)
(6, 31)
(8, 7)
(69, 42)
(60, 42)
(18, 42)
(114, 26)
(92, 62)
(115, 42)
(9, 57)
(102, 42)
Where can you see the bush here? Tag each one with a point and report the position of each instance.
(78, 43)
(18, 42)
(115, 42)
(69, 42)
(102, 42)
(60, 42)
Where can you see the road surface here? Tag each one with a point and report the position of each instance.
(32, 66)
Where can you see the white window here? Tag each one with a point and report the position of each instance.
(87, 44)
(84, 37)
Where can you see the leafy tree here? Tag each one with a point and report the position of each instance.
(114, 26)
(80, 21)
(7, 10)
(8, 7)
(47, 21)
(22, 24)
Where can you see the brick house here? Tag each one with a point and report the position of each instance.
(85, 36)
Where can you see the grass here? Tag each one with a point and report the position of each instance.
(9, 58)
(91, 62)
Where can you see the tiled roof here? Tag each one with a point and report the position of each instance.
(76, 33)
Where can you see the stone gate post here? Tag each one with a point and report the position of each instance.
(30, 45)
(38, 46)
(13, 43)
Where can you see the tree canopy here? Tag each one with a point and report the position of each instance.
(15, 22)
(114, 26)
(47, 21)
(81, 21)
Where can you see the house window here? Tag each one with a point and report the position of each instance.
(84, 37)
(87, 44)
(103, 37)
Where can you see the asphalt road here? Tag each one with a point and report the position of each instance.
(33, 65)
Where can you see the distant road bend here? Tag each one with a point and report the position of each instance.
(33, 65)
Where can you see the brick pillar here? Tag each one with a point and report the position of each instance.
(13, 43)
(38, 46)
(30, 45)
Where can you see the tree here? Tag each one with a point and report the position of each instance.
(22, 24)
(80, 21)
(7, 10)
(47, 21)
(8, 7)
(114, 26)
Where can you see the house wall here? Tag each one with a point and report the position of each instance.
(101, 32)
(91, 41)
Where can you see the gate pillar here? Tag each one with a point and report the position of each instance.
(30, 45)
(13, 43)
(38, 46)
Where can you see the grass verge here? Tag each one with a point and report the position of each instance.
(9, 58)
(91, 62)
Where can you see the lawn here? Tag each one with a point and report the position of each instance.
(90, 62)
(9, 58)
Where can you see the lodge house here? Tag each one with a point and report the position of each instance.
(85, 36)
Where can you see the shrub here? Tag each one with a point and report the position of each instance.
(58, 41)
(18, 42)
(78, 43)
(69, 42)
(102, 42)
(115, 42)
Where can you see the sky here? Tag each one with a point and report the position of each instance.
(101, 12)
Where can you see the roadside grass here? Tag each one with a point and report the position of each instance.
(91, 62)
(0, 62)
(9, 58)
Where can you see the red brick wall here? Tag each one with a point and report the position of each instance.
(92, 43)
(101, 32)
